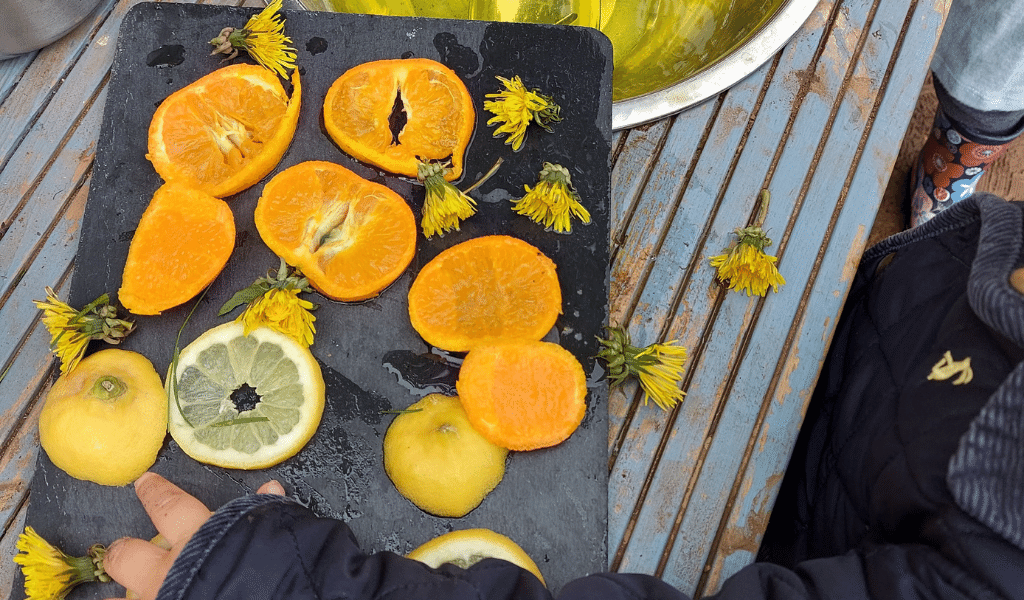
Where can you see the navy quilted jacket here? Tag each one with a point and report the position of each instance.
(907, 481)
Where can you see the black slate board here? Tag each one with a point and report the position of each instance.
(553, 502)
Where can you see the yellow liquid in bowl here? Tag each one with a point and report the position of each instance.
(657, 43)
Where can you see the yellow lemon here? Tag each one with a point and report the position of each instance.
(469, 546)
(244, 402)
(438, 461)
(106, 419)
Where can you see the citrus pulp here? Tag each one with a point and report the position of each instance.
(226, 131)
(523, 395)
(244, 402)
(106, 419)
(182, 243)
(438, 461)
(350, 237)
(364, 107)
(493, 287)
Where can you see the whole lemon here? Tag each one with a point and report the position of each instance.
(438, 461)
(106, 419)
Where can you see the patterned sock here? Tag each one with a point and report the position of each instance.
(947, 170)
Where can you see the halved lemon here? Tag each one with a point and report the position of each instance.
(467, 547)
(438, 461)
(244, 402)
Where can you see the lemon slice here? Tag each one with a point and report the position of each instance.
(246, 402)
(467, 547)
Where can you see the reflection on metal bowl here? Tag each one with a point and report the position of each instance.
(669, 54)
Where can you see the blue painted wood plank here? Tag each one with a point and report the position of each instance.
(28, 353)
(23, 105)
(72, 98)
(630, 171)
(45, 206)
(851, 228)
(643, 550)
(835, 58)
(656, 205)
(683, 230)
(754, 359)
(11, 72)
(7, 550)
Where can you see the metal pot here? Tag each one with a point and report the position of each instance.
(28, 25)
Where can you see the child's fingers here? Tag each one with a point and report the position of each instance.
(138, 565)
(176, 514)
(271, 487)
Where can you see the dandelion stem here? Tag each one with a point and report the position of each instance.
(762, 213)
(486, 176)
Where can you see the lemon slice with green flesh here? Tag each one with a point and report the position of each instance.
(244, 402)
(467, 547)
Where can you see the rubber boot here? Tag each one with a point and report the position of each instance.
(947, 170)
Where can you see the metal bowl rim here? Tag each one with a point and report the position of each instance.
(721, 75)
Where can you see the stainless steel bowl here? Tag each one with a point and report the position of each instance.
(719, 74)
(680, 77)
(28, 25)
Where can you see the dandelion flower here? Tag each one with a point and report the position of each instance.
(658, 367)
(516, 107)
(262, 38)
(745, 266)
(71, 330)
(273, 301)
(281, 309)
(553, 201)
(444, 206)
(49, 573)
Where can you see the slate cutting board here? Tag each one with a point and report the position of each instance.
(553, 502)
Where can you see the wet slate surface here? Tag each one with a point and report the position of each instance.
(554, 501)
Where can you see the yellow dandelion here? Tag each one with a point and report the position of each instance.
(516, 107)
(553, 201)
(658, 367)
(273, 301)
(282, 310)
(262, 38)
(49, 573)
(745, 266)
(71, 330)
(444, 206)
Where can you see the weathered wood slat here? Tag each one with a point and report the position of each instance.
(7, 550)
(28, 355)
(637, 156)
(48, 201)
(717, 338)
(24, 104)
(11, 71)
(738, 381)
(74, 96)
(784, 408)
(733, 429)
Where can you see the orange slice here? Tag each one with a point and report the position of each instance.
(350, 237)
(438, 114)
(488, 288)
(523, 395)
(182, 243)
(226, 131)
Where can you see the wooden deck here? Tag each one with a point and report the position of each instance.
(690, 490)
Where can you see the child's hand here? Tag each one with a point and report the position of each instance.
(141, 566)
